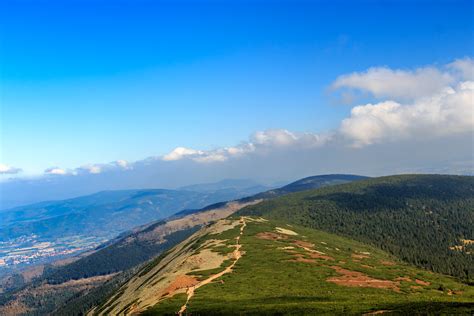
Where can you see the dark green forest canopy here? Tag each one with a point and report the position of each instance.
(415, 217)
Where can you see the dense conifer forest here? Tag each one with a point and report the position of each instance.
(419, 218)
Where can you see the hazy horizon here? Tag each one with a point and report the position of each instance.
(151, 94)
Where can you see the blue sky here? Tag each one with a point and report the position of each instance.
(97, 81)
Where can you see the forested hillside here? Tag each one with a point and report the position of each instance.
(427, 220)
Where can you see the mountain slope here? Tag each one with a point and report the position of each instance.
(109, 212)
(427, 220)
(248, 187)
(250, 265)
(106, 268)
(309, 183)
(136, 247)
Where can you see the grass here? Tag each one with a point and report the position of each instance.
(265, 281)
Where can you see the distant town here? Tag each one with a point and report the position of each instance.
(30, 250)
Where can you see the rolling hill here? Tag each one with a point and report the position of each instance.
(129, 250)
(426, 220)
(108, 212)
(378, 244)
(293, 254)
(251, 265)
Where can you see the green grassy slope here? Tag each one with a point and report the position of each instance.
(294, 274)
(418, 218)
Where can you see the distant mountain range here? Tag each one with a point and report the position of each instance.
(254, 266)
(369, 246)
(243, 185)
(112, 212)
(331, 244)
(142, 243)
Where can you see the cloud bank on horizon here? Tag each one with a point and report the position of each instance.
(419, 120)
(419, 104)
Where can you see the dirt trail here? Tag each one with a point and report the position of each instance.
(237, 255)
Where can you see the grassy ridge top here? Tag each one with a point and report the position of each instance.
(419, 218)
(289, 269)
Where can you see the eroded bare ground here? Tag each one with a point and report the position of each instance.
(171, 275)
(359, 279)
(237, 254)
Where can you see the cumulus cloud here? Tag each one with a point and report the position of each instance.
(400, 84)
(261, 141)
(424, 105)
(463, 67)
(92, 169)
(447, 112)
(6, 169)
(122, 164)
(56, 171)
(221, 154)
(284, 138)
(180, 153)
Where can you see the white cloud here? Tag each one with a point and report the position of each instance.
(261, 141)
(91, 169)
(463, 67)
(6, 169)
(418, 105)
(56, 171)
(399, 84)
(221, 154)
(279, 137)
(122, 164)
(180, 153)
(283, 138)
(449, 111)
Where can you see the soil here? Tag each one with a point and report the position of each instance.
(271, 236)
(181, 282)
(421, 282)
(387, 263)
(237, 254)
(359, 279)
(303, 244)
(407, 279)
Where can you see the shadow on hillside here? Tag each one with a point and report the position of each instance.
(388, 195)
(431, 308)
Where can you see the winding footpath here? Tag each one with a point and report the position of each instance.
(237, 254)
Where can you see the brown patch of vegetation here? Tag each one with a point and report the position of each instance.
(387, 263)
(359, 256)
(181, 282)
(462, 247)
(467, 241)
(303, 244)
(359, 279)
(405, 278)
(366, 266)
(300, 258)
(316, 255)
(416, 287)
(286, 231)
(312, 253)
(271, 236)
(421, 282)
